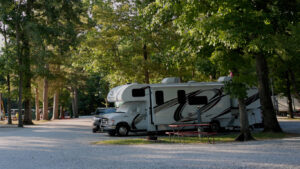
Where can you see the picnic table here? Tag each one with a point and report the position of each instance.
(179, 131)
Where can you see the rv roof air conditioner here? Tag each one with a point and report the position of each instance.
(224, 79)
(171, 80)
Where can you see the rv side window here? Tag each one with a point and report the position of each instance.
(197, 100)
(159, 97)
(181, 96)
(138, 92)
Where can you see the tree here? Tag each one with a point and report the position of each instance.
(246, 25)
(284, 64)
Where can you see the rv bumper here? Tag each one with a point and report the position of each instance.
(109, 128)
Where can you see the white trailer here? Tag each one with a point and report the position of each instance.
(152, 107)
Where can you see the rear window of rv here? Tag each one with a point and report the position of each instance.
(159, 97)
(197, 100)
(138, 92)
(181, 96)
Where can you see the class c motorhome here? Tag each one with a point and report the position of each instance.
(152, 107)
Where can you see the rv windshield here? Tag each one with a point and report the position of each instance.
(127, 107)
(118, 104)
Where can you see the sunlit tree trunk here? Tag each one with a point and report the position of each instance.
(37, 104)
(7, 82)
(76, 103)
(45, 97)
(55, 104)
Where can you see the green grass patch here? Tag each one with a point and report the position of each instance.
(129, 141)
(196, 140)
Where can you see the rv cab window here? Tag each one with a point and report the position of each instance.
(197, 100)
(138, 92)
(159, 97)
(181, 96)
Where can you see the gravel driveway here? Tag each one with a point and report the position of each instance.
(65, 144)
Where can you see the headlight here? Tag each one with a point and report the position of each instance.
(96, 118)
(111, 122)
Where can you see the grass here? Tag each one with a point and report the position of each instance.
(196, 140)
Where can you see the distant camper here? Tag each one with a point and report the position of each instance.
(152, 107)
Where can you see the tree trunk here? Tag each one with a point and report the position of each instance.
(55, 104)
(147, 81)
(294, 84)
(20, 120)
(8, 101)
(62, 113)
(289, 96)
(1, 108)
(7, 83)
(45, 98)
(73, 105)
(76, 103)
(269, 115)
(245, 134)
(27, 71)
(37, 104)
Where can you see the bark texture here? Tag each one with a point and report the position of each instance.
(27, 72)
(245, 134)
(55, 105)
(75, 102)
(289, 96)
(62, 113)
(145, 53)
(37, 104)
(45, 100)
(20, 73)
(270, 121)
(9, 121)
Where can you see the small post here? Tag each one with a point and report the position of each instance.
(199, 121)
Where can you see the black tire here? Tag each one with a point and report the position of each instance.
(215, 126)
(122, 130)
(95, 129)
(112, 133)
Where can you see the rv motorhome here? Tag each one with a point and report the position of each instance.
(152, 107)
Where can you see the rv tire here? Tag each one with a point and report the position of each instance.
(122, 130)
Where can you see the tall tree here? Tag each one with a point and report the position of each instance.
(249, 25)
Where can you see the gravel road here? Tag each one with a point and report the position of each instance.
(66, 144)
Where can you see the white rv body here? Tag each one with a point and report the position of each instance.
(152, 107)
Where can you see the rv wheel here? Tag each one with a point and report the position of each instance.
(215, 126)
(122, 130)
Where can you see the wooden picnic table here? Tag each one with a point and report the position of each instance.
(178, 130)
